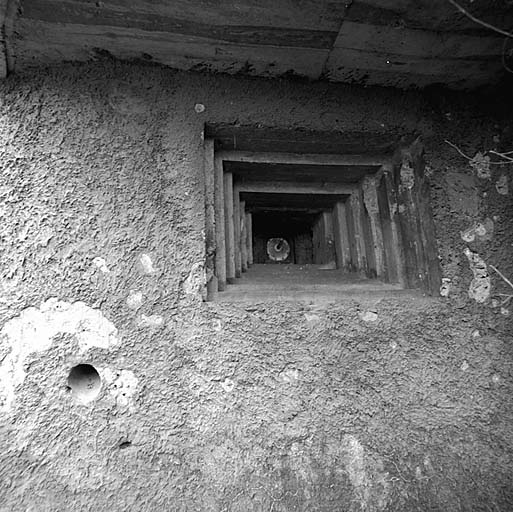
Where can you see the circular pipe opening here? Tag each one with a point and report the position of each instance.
(278, 249)
(84, 382)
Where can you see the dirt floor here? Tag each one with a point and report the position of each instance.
(396, 402)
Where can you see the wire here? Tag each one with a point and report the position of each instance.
(480, 22)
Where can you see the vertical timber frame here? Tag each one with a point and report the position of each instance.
(422, 266)
(210, 220)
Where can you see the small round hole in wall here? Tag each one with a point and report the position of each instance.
(85, 382)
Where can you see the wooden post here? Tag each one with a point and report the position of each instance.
(342, 250)
(220, 258)
(249, 232)
(370, 198)
(392, 242)
(243, 237)
(237, 231)
(421, 265)
(210, 231)
(229, 227)
(355, 218)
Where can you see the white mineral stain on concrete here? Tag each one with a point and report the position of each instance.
(445, 287)
(101, 264)
(153, 321)
(289, 375)
(33, 331)
(134, 300)
(502, 185)
(122, 385)
(196, 280)
(146, 264)
(480, 286)
(368, 316)
(228, 385)
(407, 175)
(482, 231)
(369, 481)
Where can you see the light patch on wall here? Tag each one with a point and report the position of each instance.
(445, 288)
(289, 375)
(356, 468)
(368, 316)
(370, 482)
(502, 185)
(33, 331)
(228, 385)
(153, 321)
(134, 300)
(122, 385)
(196, 280)
(407, 174)
(481, 165)
(480, 286)
(101, 264)
(146, 264)
(482, 231)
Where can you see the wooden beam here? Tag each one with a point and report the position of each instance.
(422, 267)
(229, 228)
(51, 42)
(210, 231)
(370, 199)
(295, 188)
(219, 210)
(198, 19)
(304, 158)
(341, 235)
(237, 231)
(356, 218)
(8, 13)
(243, 238)
(249, 232)
(393, 242)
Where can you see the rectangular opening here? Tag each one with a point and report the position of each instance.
(294, 221)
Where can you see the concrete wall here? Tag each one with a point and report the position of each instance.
(395, 404)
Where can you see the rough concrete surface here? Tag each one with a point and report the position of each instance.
(383, 404)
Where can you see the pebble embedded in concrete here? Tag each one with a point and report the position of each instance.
(368, 316)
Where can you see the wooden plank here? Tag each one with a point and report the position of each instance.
(210, 231)
(422, 44)
(251, 138)
(47, 43)
(341, 236)
(249, 233)
(323, 239)
(391, 255)
(395, 232)
(8, 14)
(436, 15)
(298, 188)
(243, 238)
(219, 208)
(180, 20)
(304, 15)
(370, 199)
(351, 236)
(304, 158)
(229, 227)
(355, 205)
(418, 233)
(237, 231)
(399, 70)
